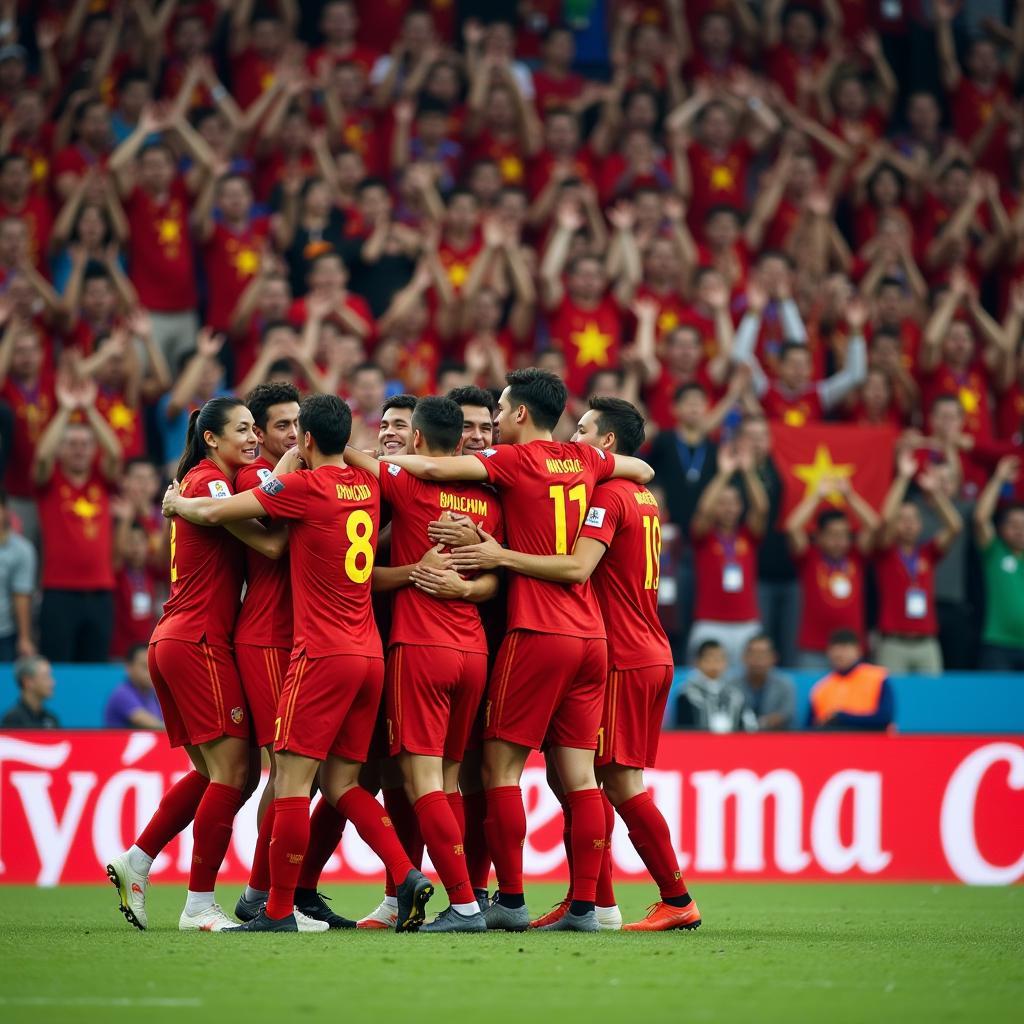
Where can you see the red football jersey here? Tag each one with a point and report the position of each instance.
(418, 618)
(78, 533)
(33, 409)
(906, 590)
(726, 570)
(794, 411)
(231, 261)
(334, 520)
(623, 516)
(160, 250)
(135, 609)
(207, 569)
(660, 394)
(266, 616)
(717, 180)
(550, 484)
(590, 338)
(972, 388)
(833, 597)
(125, 420)
(457, 263)
(38, 220)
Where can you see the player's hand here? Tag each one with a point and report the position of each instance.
(171, 497)
(455, 531)
(435, 558)
(289, 462)
(445, 584)
(487, 554)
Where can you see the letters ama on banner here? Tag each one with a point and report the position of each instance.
(836, 807)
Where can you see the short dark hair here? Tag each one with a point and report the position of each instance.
(263, 396)
(843, 636)
(707, 645)
(543, 394)
(276, 325)
(157, 145)
(684, 389)
(621, 418)
(328, 420)
(363, 367)
(399, 402)
(439, 420)
(760, 638)
(830, 515)
(792, 346)
(946, 398)
(472, 395)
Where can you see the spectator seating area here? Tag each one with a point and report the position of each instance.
(792, 233)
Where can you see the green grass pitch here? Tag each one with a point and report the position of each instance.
(766, 953)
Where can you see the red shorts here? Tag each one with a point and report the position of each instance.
(634, 705)
(547, 690)
(262, 670)
(432, 695)
(328, 706)
(199, 691)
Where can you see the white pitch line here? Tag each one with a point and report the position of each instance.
(97, 1001)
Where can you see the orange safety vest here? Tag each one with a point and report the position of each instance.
(856, 693)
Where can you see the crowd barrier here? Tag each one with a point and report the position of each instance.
(958, 702)
(839, 807)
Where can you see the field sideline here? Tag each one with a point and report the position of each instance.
(766, 952)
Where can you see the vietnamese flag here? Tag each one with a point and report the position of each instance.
(825, 451)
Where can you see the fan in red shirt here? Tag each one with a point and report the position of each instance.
(831, 565)
(73, 487)
(90, 148)
(437, 658)
(332, 691)
(905, 572)
(619, 549)
(27, 386)
(339, 23)
(586, 318)
(194, 673)
(460, 244)
(233, 244)
(17, 199)
(257, 46)
(548, 683)
(555, 84)
(793, 46)
(136, 593)
(725, 544)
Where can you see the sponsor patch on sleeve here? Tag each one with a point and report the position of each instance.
(264, 474)
(273, 485)
(219, 489)
(393, 469)
(595, 517)
(600, 451)
(488, 452)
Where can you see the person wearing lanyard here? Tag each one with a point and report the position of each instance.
(831, 566)
(905, 568)
(725, 542)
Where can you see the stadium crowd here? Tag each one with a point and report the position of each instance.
(735, 215)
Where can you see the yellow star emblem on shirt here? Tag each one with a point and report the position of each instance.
(968, 399)
(40, 168)
(722, 178)
(247, 261)
(511, 168)
(267, 79)
(457, 274)
(667, 321)
(120, 417)
(168, 231)
(794, 417)
(84, 508)
(823, 468)
(591, 345)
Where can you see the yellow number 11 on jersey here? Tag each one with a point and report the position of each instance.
(558, 495)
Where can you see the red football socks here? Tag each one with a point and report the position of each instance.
(259, 875)
(648, 832)
(478, 856)
(287, 850)
(588, 842)
(455, 802)
(376, 829)
(605, 889)
(325, 828)
(506, 833)
(176, 810)
(407, 825)
(440, 831)
(211, 834)
(567, 840)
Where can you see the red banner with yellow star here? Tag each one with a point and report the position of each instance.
(825, 451)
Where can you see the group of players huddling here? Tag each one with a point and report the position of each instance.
(269, 494)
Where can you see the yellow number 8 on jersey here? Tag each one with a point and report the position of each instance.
(359, 557)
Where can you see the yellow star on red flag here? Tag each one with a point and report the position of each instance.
(823, 468)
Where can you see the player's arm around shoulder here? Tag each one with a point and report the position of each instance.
(448, 467)
(219, 508)
(629, 467)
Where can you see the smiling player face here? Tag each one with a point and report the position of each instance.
(395, 432)
(477, 428)
(282, 429)
(236, 445)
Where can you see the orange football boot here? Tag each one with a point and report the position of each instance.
(661, 917)
(556, 913)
